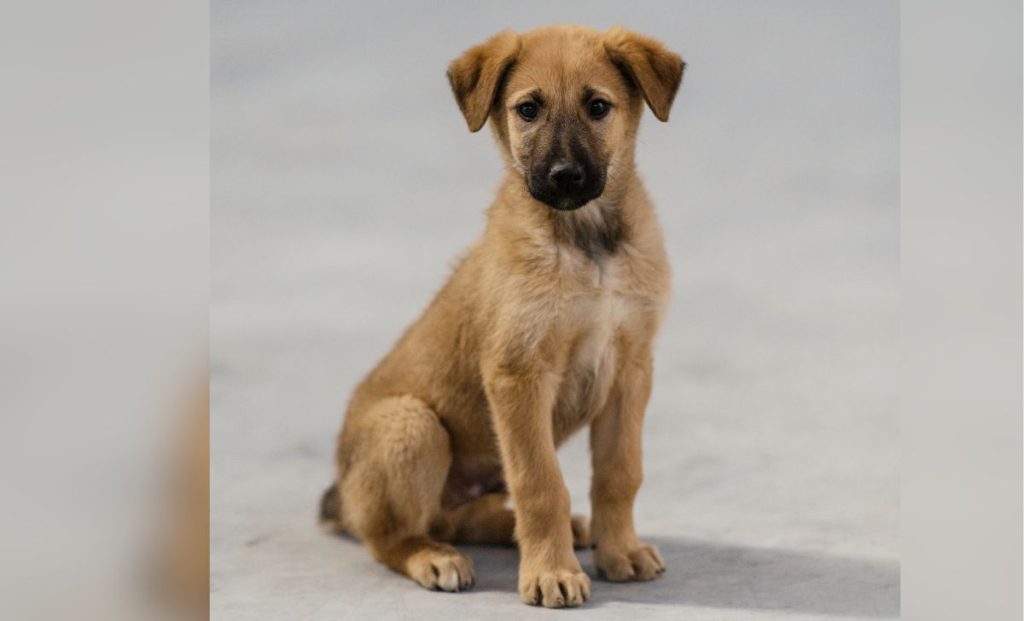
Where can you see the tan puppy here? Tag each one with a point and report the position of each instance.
(544, 327)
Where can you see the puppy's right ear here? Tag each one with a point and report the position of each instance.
(476, 75)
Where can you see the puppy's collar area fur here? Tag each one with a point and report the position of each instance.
(596, 229)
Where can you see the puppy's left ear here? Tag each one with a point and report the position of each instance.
(656, 70)
(476, 75)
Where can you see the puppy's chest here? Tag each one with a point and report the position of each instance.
(598, 314)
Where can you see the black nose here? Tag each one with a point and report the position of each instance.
(567, 176)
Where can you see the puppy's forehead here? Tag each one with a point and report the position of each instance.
(563, 60)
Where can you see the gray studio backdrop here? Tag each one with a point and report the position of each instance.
(345, 182)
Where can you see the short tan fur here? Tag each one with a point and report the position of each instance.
(545, 327)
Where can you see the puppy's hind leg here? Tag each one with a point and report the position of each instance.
(484, 520)
(391, 492)
(487, 520)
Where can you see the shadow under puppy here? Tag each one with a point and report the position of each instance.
(544, 327)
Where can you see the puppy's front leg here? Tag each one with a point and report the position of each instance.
(615, 442)
(521, 404)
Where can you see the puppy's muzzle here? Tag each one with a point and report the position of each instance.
(566, 185)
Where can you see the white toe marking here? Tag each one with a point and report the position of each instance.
(449, 580)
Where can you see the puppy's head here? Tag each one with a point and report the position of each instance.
(565, 102)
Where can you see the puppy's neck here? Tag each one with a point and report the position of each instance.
(597, 229)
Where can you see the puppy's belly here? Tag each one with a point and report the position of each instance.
(468, 480)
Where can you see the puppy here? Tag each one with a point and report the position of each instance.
(544, 327)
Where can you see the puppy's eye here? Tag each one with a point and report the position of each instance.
(598, 108)
(528, 110)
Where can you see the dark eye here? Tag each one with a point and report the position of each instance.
(528, 110)
(598, 108)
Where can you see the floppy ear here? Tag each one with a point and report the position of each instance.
(476, 75)
(656, 70)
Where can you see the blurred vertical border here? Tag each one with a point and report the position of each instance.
(104, 191)
(961, 263)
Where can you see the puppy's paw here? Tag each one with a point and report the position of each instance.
(554, 589)
(441, 568)
(641, 562)
(580, 532)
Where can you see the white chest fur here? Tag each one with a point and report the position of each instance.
(598, 310)
(599, 298)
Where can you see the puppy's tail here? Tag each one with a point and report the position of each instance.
(330, 509)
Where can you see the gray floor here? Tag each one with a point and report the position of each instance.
(344, 184)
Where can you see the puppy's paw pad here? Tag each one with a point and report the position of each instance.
(647, 562)
(555, 589)
(442, 570)
(642, 562)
